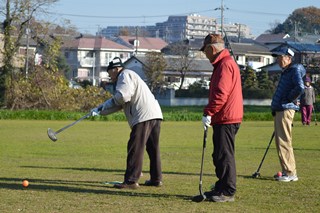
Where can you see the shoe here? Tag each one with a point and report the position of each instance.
(153, 183)
(211, 193)
(206, 196)
(222, 198)
(287, 178)
(125, 185)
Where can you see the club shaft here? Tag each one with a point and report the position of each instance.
(202, 158)
(265, 153)
(66, 127)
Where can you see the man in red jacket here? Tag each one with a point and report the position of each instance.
(224, 113)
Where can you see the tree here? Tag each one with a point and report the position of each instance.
(155, 65)
(302, 20)
(18, 14)
(264, 81)
(45, 86)
(181, 61)
(249, 79)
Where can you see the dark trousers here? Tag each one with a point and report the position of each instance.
(223, 157)
(145, 134)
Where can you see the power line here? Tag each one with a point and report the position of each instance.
(159, 16)
(258, 13)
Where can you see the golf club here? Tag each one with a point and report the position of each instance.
(257, 173)
(315, 116)
(201, 197)
(53, 135)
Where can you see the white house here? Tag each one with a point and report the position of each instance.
(89, 57)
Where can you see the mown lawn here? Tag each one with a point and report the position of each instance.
(68, 175)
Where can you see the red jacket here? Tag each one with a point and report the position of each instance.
(225, 105)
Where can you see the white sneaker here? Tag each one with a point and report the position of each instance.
(287, 178)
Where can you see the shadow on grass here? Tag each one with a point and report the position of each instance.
(57, 185)
(257, 178)
(110, 170)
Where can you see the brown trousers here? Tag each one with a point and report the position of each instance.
(283, 137)
(144, 135)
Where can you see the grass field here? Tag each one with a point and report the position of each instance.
(68, 175)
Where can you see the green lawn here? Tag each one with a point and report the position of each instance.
(67, 176)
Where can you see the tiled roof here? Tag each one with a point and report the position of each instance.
(245, 48)
(300, 47)
(145, 42)
(312, 39)
(267, 38)
(92, 43)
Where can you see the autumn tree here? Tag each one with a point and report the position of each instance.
(18, 14)
(44, 86)
(155, 65)
(47, 88)
(301, 21)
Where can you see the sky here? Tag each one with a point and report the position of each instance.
(90, 15)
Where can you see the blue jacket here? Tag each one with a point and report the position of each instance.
(289, 89)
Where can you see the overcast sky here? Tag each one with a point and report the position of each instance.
(89, 15)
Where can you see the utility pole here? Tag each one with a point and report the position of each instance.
(28, 43)
(93, 69)
(295, 31)
(222, 8)
(239, 31)
(27, 51)
(136, 43)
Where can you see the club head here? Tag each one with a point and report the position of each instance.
(256, 175)
(199, 198)
(52, 135)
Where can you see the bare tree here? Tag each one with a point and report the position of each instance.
(181, 61)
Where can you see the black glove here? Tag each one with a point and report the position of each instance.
(273, 113)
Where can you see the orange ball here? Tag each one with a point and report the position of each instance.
(25, 183)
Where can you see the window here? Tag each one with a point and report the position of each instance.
(23, 51)
(253, 58)
(89, 54)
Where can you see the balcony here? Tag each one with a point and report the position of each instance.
(87, 62)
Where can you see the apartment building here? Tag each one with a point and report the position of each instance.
(178, 28)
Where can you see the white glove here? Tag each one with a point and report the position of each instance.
(95, 112)
(206, 120)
